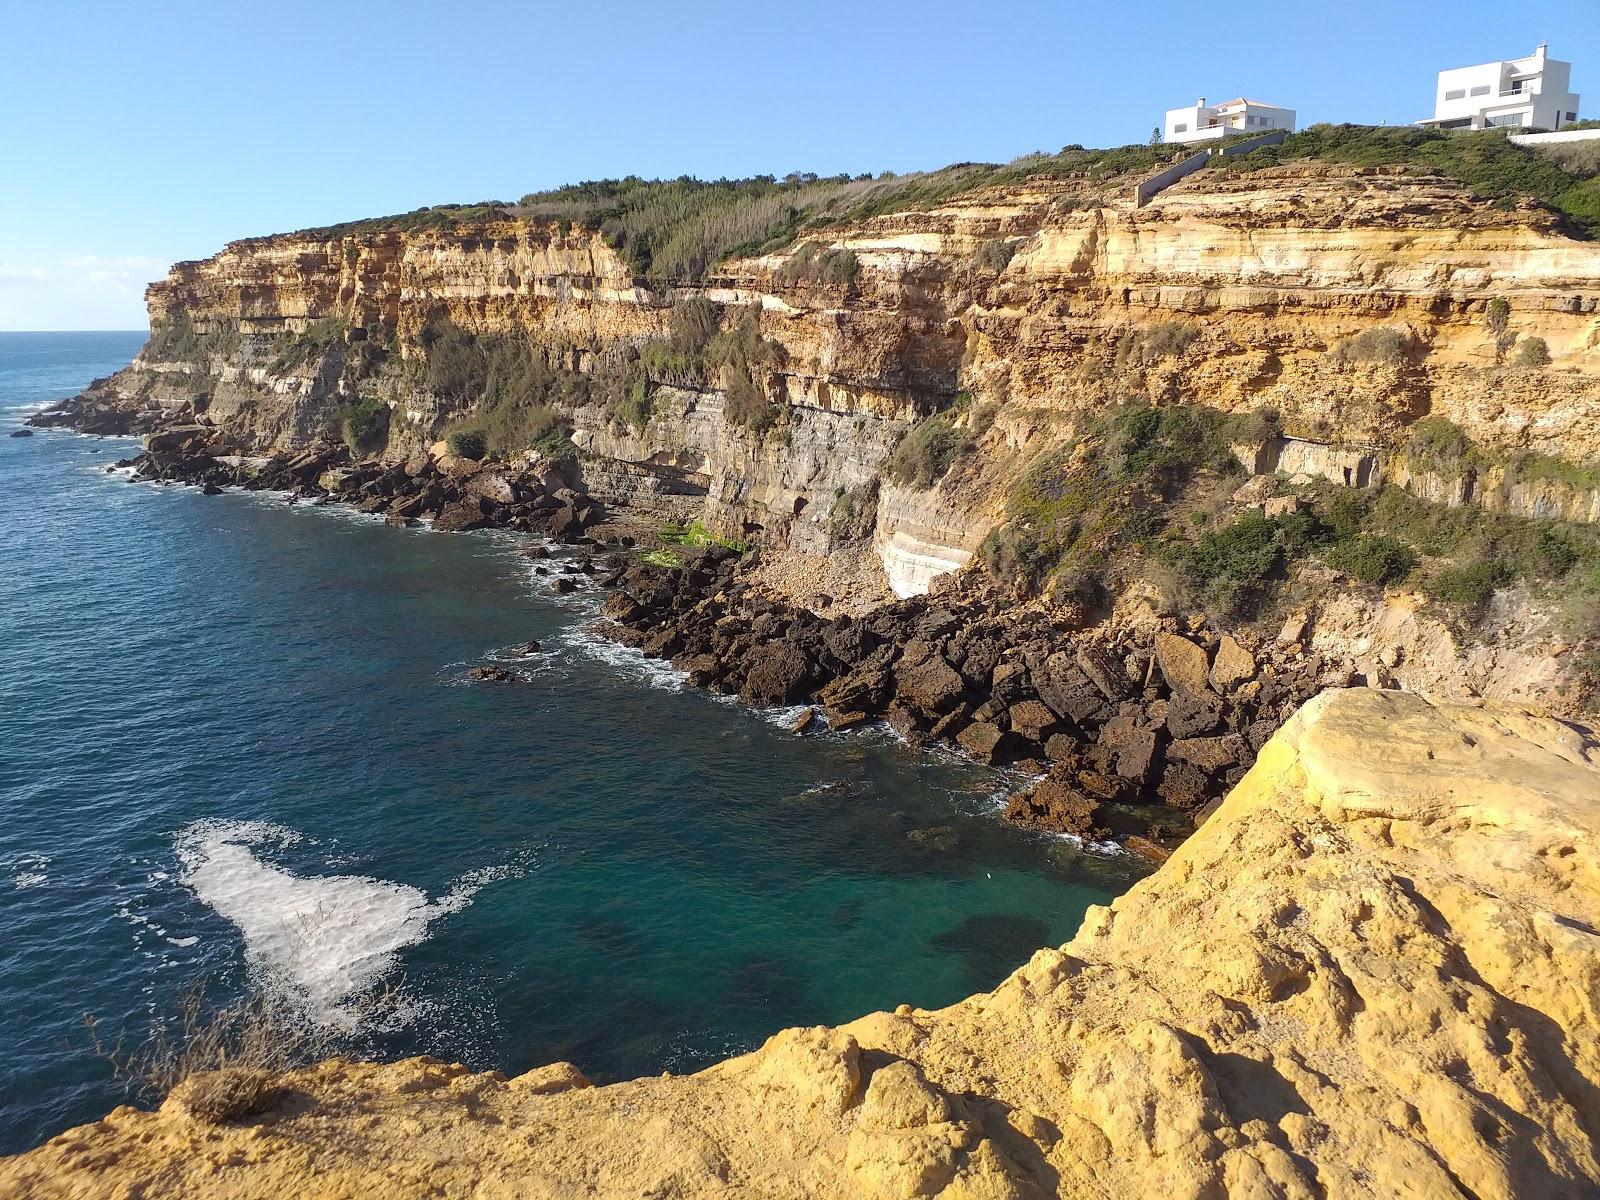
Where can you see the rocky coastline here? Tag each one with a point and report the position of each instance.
(1132, 731)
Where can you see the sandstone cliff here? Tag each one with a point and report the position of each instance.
(1257, 280)
(1351, 302)
(1374, 972)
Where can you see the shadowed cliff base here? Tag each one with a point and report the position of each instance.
(1370, 974)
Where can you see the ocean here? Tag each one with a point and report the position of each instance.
(239, 750)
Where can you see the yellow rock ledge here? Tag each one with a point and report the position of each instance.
(1373, 972)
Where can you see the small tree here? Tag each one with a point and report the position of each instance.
(1498, 318)
(1155, 136)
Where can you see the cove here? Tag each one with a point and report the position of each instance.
(238, 745)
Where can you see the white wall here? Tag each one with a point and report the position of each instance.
(1482, 95)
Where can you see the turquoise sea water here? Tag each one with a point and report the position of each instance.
(237, 748)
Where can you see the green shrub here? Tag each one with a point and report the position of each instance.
(364, 425)
(745, 403)
(1146, 346)
(1380, 344)
(928, 449)
(995, 254)
(1467, 584)
(1229, 569)
(543, 429)
(1373, 558)
(854, 513)
(1533, 352)
(468, 443)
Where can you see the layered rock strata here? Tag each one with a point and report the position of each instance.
(1372, 973)
(1255, 285)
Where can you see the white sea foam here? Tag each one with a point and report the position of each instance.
(626, 660)
(28, 870)
(321, 942)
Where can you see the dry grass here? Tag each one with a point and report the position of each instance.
(221, 1063)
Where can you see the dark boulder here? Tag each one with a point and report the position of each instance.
(1126, 748)
(932, 684)
(1105, 672)
(1055, 806)
(985, 741)
(1191, 715)
(460, 517)
(776, 673)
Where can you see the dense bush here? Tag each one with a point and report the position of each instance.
(443, 217)
(1469, 584)
(468, 443)
(995, 254)
(315, 340)
(1533, 352)
(1231, 568)
(508, 390)
(745, 403)
(1373, 558)
(633, 404)
(176, 340)
(1380, 344)
(815, 263)
(364, 425)
(676, 229)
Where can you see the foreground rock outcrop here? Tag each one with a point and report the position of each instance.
(1374, 972)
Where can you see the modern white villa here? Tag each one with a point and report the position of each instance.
(1527, 93)
(1201, 122)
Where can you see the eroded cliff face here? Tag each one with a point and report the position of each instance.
(1373, 972)
(1046, 301)
(1256, 281)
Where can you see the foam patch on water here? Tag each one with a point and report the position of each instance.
(322, 942)
(28, 870)
(626, 660)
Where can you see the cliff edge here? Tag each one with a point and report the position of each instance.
(1375, 971)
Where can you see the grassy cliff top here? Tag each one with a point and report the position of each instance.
(678, 229)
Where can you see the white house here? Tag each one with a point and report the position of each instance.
(1532, 92)
(1201, 121)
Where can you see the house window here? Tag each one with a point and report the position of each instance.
(1456, 94)
(1572, 116)
(1507, 119)
(1481, 91)
(1181, 127)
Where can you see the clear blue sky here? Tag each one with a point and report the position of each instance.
(133, 135)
